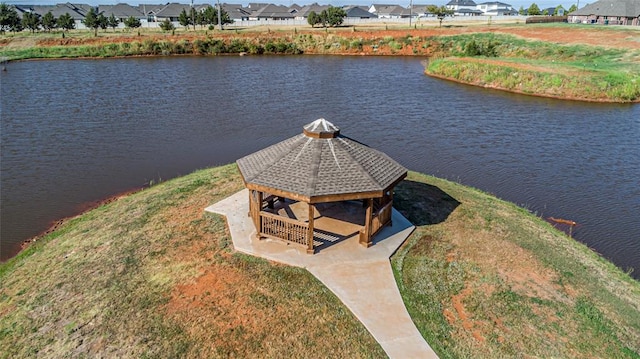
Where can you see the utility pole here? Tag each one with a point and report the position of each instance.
(219, 15)
(193, 16)
(410, 11)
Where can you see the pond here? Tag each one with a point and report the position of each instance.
(74, 132)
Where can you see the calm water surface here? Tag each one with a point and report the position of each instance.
(74, 132)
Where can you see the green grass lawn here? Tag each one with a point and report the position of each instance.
(493, 281)
(535, 67)
(153, 275)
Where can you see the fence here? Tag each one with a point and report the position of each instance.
(272, 225)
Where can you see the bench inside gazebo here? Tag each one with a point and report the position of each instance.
(320, 187)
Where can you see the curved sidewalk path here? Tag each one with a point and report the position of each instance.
(360, 277)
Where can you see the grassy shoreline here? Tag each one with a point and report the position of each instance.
(151, 274)
(503, 62)
(496, 57)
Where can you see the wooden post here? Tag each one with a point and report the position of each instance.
(258, 208)
(391, 209)
(310, 249)
(366, 241)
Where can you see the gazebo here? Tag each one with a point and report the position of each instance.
(317, 167)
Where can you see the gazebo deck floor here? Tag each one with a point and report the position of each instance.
(333, 221)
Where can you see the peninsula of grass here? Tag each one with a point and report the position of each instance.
(499, 57)
(153, 275)
(504, 62)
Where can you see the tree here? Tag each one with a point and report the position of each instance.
(522, 11)
(313, 19)
(113, 22)
(335, 16)
(65, 22)
(103, 22)
(132, 22)
(91, 21)
(323, 18)
(167, 25)
(200, 19)
(558, 9)
(224, 17)
(184, 19)
(9, 19)
(440, 12)
(533, 10)
(194, 17)
(31, 21)
(210, 15)
(572, 8)
(49, 22)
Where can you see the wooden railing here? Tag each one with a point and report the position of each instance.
(381, 218)
(272, 225)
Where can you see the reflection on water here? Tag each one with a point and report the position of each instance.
(77, 131)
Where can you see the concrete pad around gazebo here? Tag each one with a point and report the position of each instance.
(294, 187)
(360, 277)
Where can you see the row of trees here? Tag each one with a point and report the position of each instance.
(10, 21)
(332, 16)
(534, 10)
(96, 21)
(209, 16)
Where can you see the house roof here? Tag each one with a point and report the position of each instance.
(236, 11)
(321, 165)
(76, 11)
(357, 12)
(120, 11)
(626, 8)
(173, 10)
(391, 10)
(468, 11)
(272, 11)
(461, 3)
(306, 10)
(150, 8)
(500, 4)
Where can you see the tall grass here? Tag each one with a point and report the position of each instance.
(147, 47)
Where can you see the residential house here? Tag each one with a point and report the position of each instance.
(76, 11)
(303, 12)
(236, 12)
(295, 8)
(496, 8)
(548, 11)
(171, 12)
(150, 10)
(608, 12)
(122, 12)
(384, 11)
(357, 12)
(270, 12)
(420, 10)
(463, 8)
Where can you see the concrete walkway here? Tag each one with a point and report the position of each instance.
(361, 277)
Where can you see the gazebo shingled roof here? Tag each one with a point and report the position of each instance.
(320, 165)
